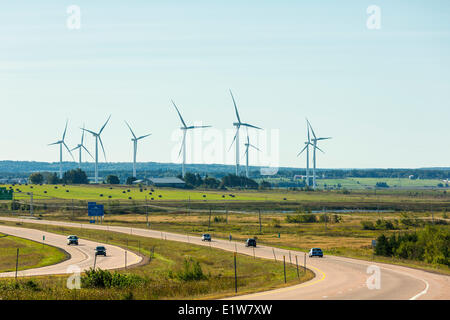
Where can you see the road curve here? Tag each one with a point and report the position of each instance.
(81, 255)
(336, 277)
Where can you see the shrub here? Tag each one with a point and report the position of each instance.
(99, 278)
(191, 271)
(301, 218)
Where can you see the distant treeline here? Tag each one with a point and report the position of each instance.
(22, 169)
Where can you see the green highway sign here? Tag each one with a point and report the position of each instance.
(6, 194)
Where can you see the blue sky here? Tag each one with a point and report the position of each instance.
(383, 95)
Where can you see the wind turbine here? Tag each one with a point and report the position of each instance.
(238, 125)
(61, 143)
(315, 139)
(80, 147)
(307, 144)
(185, 128)
(135, 141)
(97, 138)
(247, 146)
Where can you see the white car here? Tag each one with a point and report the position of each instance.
(72, 240)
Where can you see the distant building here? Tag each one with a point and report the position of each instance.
(171, 182)
(411, 177)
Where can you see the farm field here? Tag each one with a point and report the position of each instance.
(107, 193)
(31, 254)
(164, 276)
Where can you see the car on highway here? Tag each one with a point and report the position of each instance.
(72, 240)
(206, 237)
(100, 251)
(315, 252)
(250, 242)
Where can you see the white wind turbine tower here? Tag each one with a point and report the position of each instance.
(247, 146)
(185, 128)
(238, 125)
(61, 143)
(135, 141)
(315, 139)
(80, 147)
(97, 138)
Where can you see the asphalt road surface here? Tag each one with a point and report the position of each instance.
(82, 255)
(336, 277)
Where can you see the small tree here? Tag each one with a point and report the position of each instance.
(130, 180)
(77, 176)
(112, 179)
(36, 178)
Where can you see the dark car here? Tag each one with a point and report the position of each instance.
(316, 252)
(100, 250)
(72, 240)
(250, 243)
(206, 237)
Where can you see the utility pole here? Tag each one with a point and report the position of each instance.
(31, 203)
(226, 213)
(146, 210)
(189, 206)
(17, 262)
(235, 273)
(73, 215)
(260, 227)
(209, 220)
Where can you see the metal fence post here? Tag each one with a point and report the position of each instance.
(235, 274)
(284, 267)
(17, 262)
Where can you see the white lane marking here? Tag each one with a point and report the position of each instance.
(423, 292)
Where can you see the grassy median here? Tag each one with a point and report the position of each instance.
(31, 254)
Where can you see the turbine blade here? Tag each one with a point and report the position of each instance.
(179, 114)
(250, 126)
(51, 144)
(324, 138)
(104, 125)
(101, 143)
(319, 149)
(70, 152)
(254, 147)
(94, 133)
(77, 147)
(309, 124)
(130, 130)
(65, 129)
(82, 136)
(198, 127)
(234, 139)
(88, 152)
(235, 107)
(182, 144)
(142, 137)
(302, 150)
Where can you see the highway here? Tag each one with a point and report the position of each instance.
(336, 277)
(81, 256)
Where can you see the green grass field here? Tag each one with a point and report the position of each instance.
(157, 277)
(31, 254)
